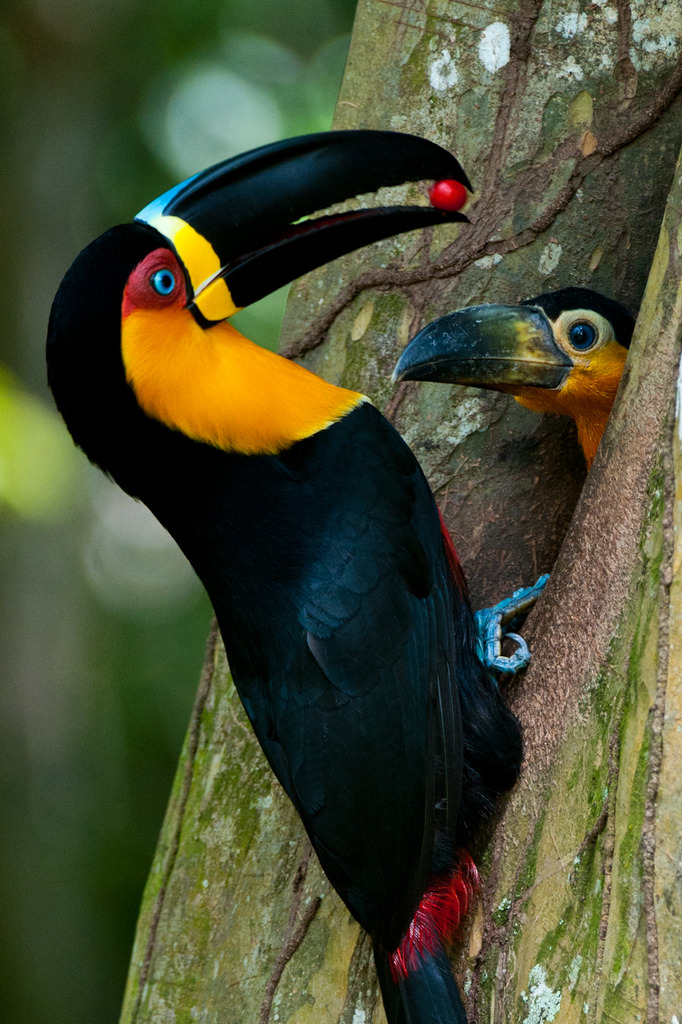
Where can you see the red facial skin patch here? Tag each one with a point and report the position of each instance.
(159, 268)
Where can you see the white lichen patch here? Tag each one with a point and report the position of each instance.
(663, 44)
(494, 47)
(571, 25)
(657, 33)
(651, 40)
(549, 258)
(443, 74)
(359, 1017)
(610, 15)
(574, 971)
(640, 29)
(543, 1002)
(488, 262)
(449, 426)
(571, 69)
(454, 432)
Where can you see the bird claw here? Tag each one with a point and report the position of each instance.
(490, 629)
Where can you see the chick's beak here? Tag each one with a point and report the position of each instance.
(502, 348)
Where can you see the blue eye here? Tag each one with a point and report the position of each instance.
(582, 336)
(163, 282)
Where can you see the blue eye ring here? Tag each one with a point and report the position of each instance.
(163, 282)
(582, 335)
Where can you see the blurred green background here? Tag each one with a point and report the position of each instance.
(102, 623)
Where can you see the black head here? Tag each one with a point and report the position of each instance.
(565, 299)
(84, 364)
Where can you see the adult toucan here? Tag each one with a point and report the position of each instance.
(339, 596)
(561, 352)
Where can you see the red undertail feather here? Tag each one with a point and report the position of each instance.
(453, 559)
(443, 905)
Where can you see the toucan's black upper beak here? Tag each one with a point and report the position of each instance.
(501, 348)
(237, 226)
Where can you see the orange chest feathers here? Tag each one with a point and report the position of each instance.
(216, 386)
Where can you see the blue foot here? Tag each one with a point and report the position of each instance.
(490, 629)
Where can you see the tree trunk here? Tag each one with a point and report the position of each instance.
(580, 909)
(568, 126)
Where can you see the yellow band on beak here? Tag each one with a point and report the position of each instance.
(211, 294)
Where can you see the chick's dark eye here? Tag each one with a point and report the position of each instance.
(582, 336)
(163, 281)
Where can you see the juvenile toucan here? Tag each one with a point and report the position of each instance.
(339, 596)
(560, 352)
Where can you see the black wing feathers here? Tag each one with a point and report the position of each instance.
(378, 628)
(339, 631)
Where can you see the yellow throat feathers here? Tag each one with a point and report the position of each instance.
(216, 386)
(587, 395)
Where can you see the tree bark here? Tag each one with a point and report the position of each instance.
(568, 124)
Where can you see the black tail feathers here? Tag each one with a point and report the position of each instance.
(428, 995)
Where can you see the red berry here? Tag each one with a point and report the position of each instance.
(448, 195)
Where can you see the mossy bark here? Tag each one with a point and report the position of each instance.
(568, 124)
